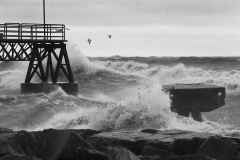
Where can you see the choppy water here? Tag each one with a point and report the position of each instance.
(119, 93)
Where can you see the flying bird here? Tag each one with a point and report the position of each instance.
(89, 40)
(109, 36)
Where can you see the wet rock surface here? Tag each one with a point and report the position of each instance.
(219, 148)
(85, 144)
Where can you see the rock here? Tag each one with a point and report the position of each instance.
(237, 157)
(26, 142)
(153, 144)
(85, 133)
(150, 151)
(187, 157)
(12, 157)
(5, 130)
(187, 146)
(7, 148)
(100, 143)
(151, 131)
(17, 143)
(135, 141)
(156, 157)
(219, 148)
(90, 154)
(110, 148)
(158, 145)
(59, 144)
(190, 157)
(120, 153)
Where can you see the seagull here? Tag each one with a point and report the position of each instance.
(109, 36)
(89, 40)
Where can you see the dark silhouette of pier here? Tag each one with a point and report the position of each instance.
(38, 43)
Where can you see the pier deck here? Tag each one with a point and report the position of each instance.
(32, 41)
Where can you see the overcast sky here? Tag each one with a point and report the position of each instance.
(139, 27)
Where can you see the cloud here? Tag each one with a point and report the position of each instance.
(158, 40)
(140, 27)
(125, 12)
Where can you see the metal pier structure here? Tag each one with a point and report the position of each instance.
(43, 46)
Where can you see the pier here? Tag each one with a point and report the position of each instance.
(43, 45)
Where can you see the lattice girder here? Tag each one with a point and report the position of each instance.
(39, 54)
(36, 53)
(11, 51)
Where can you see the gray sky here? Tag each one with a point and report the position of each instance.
(139, 27)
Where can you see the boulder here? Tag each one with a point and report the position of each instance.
(100, 143)
(120, 153)
(7, 148)
(219, 148)
(135, 141)
(187, 157)
(156, 157)
(90, 154)
(150, 151)
(85, 133)
(151, 131)
(155, 144)
(237, 157)
(111, 148)
(59, 144)
(14, 157)
(17, 143)
(26, 142)
(190, 157)
(5, 130)
(187, 146)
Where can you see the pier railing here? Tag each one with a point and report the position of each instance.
(32, 31)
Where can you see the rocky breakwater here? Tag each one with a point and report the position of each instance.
(88, 144)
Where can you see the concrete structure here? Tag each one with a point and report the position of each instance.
(195, 98)
(69, 88)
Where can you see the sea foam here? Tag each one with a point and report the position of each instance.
(146, 107)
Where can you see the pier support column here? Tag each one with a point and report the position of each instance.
(47, 52)
(197, 116)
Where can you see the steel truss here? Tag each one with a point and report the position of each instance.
(11, 51)
(37, 53)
